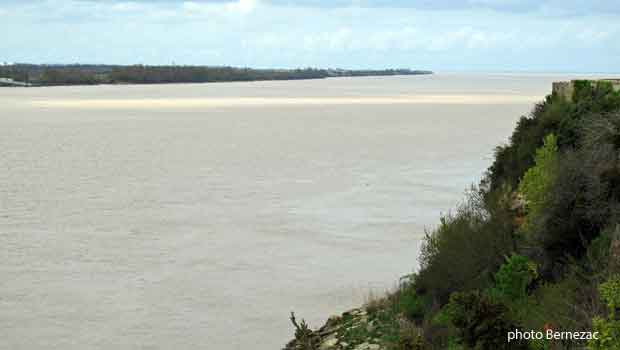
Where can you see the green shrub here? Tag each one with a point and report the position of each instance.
(464, 252)
(409, 337)
(608, 329)
(513, 278)
(593, 268)
(554, 115)
(583, 198)
(481, 323)
(610, 292)
(412, 305)
(513, 159)
(537, 181)
(608, 334)
(553, 305)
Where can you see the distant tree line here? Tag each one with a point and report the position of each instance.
(179, 74)
(49, 75)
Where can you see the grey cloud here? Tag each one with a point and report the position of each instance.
(559, 7)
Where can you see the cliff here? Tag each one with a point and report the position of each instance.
(533, 249)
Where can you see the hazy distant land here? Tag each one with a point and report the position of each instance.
(78, 74)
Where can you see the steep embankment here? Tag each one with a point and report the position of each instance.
(529, 260)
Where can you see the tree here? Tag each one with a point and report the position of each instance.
(537, 181)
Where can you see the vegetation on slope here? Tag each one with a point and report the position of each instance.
(535, 246)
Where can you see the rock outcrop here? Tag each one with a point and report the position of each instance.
(353, 330)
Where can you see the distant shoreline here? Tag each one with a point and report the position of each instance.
(30, 75)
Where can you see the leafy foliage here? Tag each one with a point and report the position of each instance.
(609, 335)
(481, 323)
(553, 115)
(610, 292)
(464, 252)
(513, 278)
(609, 329)
(412, 305)
(553, 305)
(539, 178)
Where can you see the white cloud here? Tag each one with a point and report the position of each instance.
(242, 6)
(592, 36)
(261, 33)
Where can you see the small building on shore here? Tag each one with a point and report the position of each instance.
(11, 82)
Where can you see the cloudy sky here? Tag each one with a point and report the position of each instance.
(441, 35)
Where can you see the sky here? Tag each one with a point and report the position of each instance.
(438, 35)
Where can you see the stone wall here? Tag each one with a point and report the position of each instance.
(565, 89)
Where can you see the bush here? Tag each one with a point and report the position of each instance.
(609, 329)
(553, 305)
(512, 160)
(481, 323)
(537, 181)
(513, 279)
(464, 252)
(412, 305)
(554, 115)
(582, 199)
(610, 292)
(409, 337)
(609, 335)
